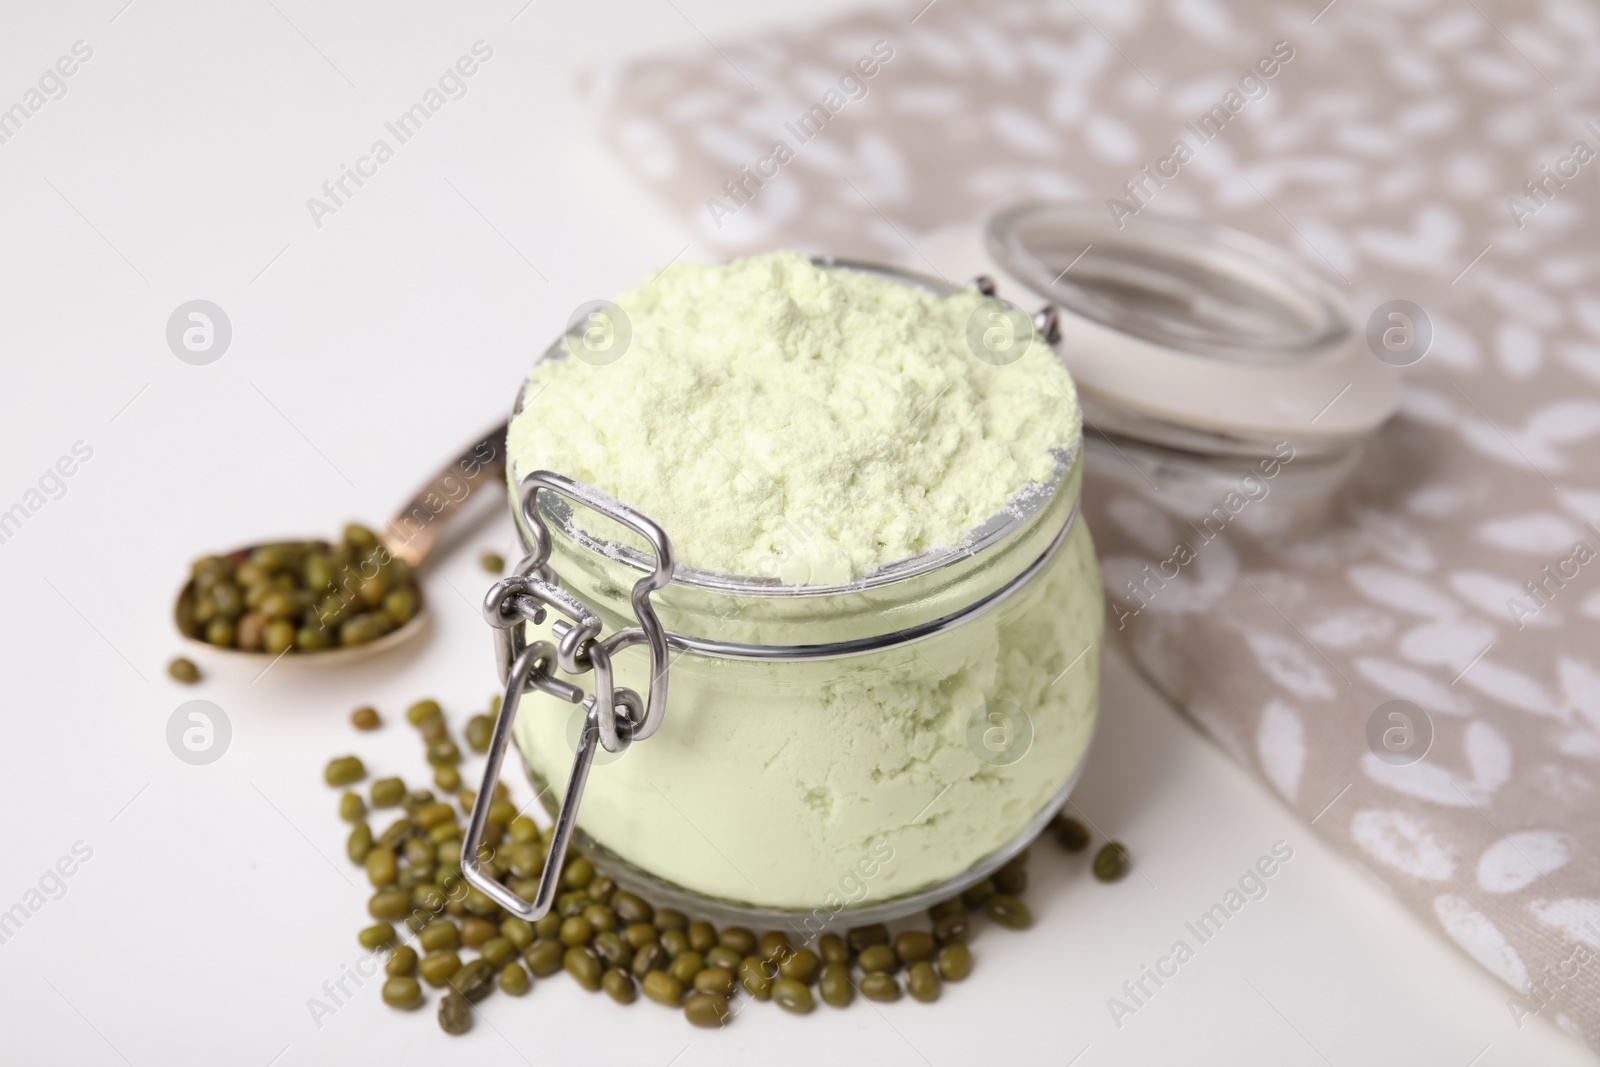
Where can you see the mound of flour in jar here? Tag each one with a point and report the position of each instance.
(783, 420)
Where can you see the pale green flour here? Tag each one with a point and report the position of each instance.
(770, 410)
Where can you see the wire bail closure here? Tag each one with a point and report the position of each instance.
(614, 716)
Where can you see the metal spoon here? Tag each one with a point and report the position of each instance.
(410, 535)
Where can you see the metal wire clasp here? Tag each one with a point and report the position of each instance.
(615, 716)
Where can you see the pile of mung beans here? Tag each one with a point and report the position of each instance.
(604, 937)
(300, 596)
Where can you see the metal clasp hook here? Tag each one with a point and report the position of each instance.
(615, 716)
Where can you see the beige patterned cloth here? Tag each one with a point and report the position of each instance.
(1389, 148)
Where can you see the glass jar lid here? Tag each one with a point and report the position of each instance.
(1197, 350)
(1209, 331)
(1190, 286)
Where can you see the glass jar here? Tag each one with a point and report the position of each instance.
(860, 749)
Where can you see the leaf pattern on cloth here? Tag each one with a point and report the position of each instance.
(1281, 747)
(1481, 938)
(1518, 860)
(1385, 155)
(1404, 843)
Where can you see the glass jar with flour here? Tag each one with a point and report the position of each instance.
(809, 625)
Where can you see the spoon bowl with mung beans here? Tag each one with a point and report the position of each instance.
(332, 602)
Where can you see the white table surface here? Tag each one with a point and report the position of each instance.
(216, 901)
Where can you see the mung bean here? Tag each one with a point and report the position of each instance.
(455, 1014)
(774, 945)
(923, 982)
(387, 793)
(662, 988)
(756, 975)
(631, 909)
(359, 843)
(584, 966)
(619, 986)
(801, 966)
(1009, 912)
(717, 980)
(952, 929)
(878, 959)
(422, 709)
(1111, 862)
(612, 949)
(702, 937)
(402, 961)
(723, 956)
(686, 965)
(389, 904)
(439, 935)
(835, 985)
(978, 894)
(436, 967)
(381, 867)
(638, 935)
(914, 945)
(1072, 834)
(518, 932)
(792, 995)
(402, 992)
(1012, 879)
(498, 951)
(955, 962)
(514, 980)
(544, 958)
(475, 979)
(866, 936)
(706, 1010)
(647, 959)
(478, 731)
(476, 931)
(376, 936)
(883, 988)
(344, 770)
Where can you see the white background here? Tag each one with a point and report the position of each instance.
(364, 353)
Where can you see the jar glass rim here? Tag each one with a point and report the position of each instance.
(1195, 287)
(1025, 506)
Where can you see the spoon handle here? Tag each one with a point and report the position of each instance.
(414, 529)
